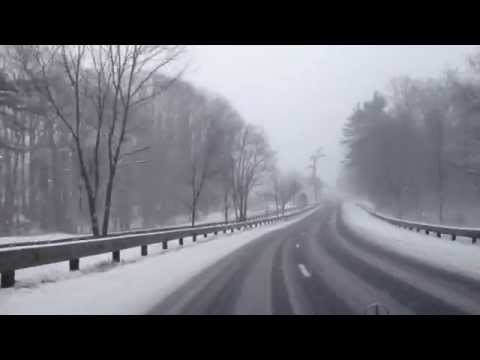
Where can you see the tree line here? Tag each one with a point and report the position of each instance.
(414, 150)
(98, 138)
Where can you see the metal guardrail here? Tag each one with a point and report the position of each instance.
(473, 233)
(122, 233)
(20, 257)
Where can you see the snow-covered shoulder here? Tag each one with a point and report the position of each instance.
(132, 287)
(455, 256)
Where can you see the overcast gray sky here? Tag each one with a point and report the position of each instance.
(302, 95)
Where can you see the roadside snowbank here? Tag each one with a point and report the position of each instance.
(131, 287)
(43, 237)
(457, 256)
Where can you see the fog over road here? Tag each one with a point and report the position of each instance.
(315, 266)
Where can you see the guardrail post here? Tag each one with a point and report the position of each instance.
(439, 234)
(144, 250)
(474, 240)
(74, 264)
(164, 245)
(215, 232)
(454, 237)
(427, 232)
(205, 235)
(194, 237)
(180, 241)
(8, 279)
(225, 230)
(116, 256)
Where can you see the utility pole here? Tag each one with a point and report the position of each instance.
(314, 160)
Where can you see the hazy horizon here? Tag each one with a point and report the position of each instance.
(304, 94)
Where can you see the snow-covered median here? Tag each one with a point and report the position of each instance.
(459, 257)
(131, 287)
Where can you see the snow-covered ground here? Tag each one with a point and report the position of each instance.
(456, 256)
(215, 216)
(443, 227)
(179, 221)
(43, 237)
(131, 287)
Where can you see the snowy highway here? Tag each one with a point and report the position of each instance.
(189, 179)
(337, 259)
(319, 266)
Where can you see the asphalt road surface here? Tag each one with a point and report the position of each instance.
(317, 267)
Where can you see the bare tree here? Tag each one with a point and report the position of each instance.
(314, 179)
(436, 112)
(205, 146)
(95, 112)
(289, 187)
(131, 70)
(252, 159)
(57, 74)
(231, 128)
(110, 81)
(275, 194)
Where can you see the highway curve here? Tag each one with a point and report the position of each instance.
(317, 266)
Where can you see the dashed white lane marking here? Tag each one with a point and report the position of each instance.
(297, 246)
(304, 270)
